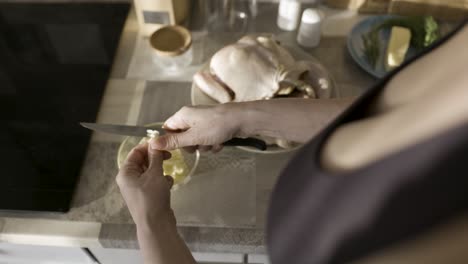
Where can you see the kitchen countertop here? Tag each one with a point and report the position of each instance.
(99, 217)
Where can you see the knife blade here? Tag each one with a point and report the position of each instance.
(124, 130)
(142, 131)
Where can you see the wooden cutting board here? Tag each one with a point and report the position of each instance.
(222, 193)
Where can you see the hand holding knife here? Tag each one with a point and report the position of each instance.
(142, 131)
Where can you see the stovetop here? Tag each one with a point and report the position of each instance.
(55, 60)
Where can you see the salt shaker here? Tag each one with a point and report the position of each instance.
(310, 28)
(289, 12)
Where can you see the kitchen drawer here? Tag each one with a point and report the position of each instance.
(132, 256)
(258, 259)
(29, 254)
(117, 256)
(218, 258)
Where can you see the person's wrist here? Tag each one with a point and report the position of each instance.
(241, 115)
(150, 224)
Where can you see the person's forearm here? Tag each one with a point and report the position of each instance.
(161, 244)
(291, 119)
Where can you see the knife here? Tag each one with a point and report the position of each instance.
(141, 131)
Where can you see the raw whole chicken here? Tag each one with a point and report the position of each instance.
(253, 68)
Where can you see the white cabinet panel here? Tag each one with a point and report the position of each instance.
(132, 256)
(218, 258)
(117, 256)
(258, 259)
(28, 254)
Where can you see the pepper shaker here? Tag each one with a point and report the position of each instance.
(310, 28)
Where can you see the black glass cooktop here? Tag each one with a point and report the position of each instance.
(55, 60)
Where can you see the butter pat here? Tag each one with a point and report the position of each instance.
(400, 38)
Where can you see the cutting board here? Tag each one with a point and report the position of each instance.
(222, 193)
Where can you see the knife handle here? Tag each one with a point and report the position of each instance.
(247, 142)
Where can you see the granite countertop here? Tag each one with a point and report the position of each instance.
(99, 217)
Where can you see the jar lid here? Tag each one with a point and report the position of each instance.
(171, 40)
(311, 15)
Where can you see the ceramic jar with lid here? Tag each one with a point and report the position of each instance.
(172, 47)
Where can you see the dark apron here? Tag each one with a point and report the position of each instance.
(320, 217)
